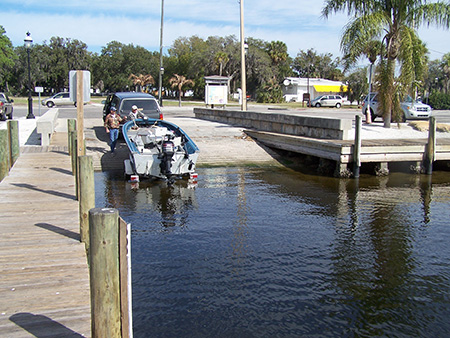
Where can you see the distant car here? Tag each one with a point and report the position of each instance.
(6, 107)
(59, 99)
(123, 101)
(412, 110)
(328, 101)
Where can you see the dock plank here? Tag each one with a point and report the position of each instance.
(44, 284)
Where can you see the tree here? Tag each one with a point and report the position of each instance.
(260, 71)
(393, 23)
(277, 51)
(281, 63)
(270, 93)
(445, 67)
(7, 55)
(313, 65)
(191, 57)
(141, 80)
(117, 61)
(356, 85)
(178, 82)
(39, 68)
(63, 55)
(371, 49)
(221, 59)
(435, 76)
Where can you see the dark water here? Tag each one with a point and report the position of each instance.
(275, 253)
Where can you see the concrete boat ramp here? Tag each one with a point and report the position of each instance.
(220, 144)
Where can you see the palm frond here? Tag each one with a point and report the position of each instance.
(437, 14)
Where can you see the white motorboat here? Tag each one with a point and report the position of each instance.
(158, 149)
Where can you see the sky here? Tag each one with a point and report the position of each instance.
(298, 23)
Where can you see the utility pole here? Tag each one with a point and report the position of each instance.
(243, 73)
(161, 68)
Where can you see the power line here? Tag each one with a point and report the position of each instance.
(436, 51)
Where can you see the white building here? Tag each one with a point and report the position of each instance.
(295, 87)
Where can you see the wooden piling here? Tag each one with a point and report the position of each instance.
(104, 272)
(125, 278)
(357, 147)
(14, 144)
(81, 149)
(74, 161)
(87, 195)
(431, 147)
(73, 151)
(4, 154)
(71, 126)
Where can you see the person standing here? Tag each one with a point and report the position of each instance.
(112, 124)
(136, 114)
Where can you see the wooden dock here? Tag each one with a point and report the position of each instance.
(44, 277)
(341, 151)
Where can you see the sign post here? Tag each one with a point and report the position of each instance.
(39, 90)
(80, 114)
(79, 88)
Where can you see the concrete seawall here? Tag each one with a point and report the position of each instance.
(308, 126)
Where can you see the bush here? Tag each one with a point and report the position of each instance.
(273, 95)
(439, 101)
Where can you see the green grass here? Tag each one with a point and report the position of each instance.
(20, 101)
(23, 100)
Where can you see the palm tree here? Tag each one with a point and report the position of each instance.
(446, 71)
(277, 51)
(141, 80)
(222, 59)
(180, 81)
(393, 22)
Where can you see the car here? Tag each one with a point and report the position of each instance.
(59, 99)
(411, 110)
(415, 109)
(6, 107)
(123, 101)
(328, 101)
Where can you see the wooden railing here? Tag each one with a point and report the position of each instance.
(9, 147)
(107, 240)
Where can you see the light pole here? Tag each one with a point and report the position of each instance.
(28, 42)
(243, 74)
(161, 68)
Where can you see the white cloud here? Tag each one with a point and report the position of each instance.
(96, 22)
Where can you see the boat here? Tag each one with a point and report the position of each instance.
(158, 149)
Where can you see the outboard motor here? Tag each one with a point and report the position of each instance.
(168, 150)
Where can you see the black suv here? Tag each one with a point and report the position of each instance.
(6, 107)
(123, 101)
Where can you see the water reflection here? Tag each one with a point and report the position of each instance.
(374, 259)
(173, 202)
(239, 244)
(277, 253)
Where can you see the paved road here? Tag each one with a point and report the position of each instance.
(95, 110)
(64, 111)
